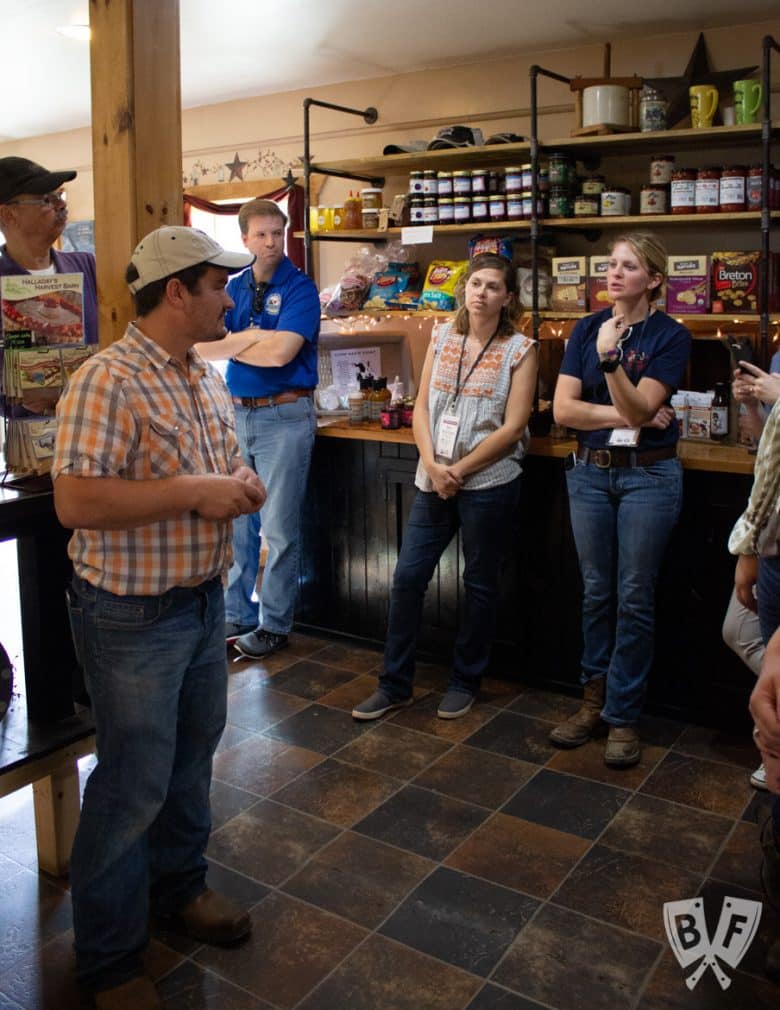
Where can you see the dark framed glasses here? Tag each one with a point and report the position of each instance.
(258, 299)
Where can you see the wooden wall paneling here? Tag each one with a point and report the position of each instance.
(136, 139)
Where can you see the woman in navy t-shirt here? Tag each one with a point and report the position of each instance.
(619, 371)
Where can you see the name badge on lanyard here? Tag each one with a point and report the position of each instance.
(447, 435)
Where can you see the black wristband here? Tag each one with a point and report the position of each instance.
(608, 365)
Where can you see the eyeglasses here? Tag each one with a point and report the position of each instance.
(50, 200)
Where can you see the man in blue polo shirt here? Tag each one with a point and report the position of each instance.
(272, 372)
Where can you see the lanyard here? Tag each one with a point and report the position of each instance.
(476, 361)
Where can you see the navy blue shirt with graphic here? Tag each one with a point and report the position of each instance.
(658, 348)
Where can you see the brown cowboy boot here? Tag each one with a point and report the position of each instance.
(623, 748)
(579, 727)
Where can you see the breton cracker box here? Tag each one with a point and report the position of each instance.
(597, 283)
(687, 285)
(735, 282)
(569, 281)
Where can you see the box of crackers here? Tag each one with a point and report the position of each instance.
(687, 285)
(569, 278)
(598, 297)
(735, 282)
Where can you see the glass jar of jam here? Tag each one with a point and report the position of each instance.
(444, 184)
(653, 199)
(560, 201)
(430, 210)
(595, 185)
(513, 180)
(514, 206)
(390, 418)
(479, 208)
(461, 183)
(559, 169)
(707, 192)
(528, 205)
(732, 189)
(416, 181)
(661, 168)
(497, 207)
(587, 205)
(614, 201)
(753, 184)
(462, 209)
(430, 183)
(416, 208)
(479, 181)
(446, 210)
(683, 192)
(526, 176)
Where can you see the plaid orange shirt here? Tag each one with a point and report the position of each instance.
(132, 411)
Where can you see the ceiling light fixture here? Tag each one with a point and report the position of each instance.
(79, 32)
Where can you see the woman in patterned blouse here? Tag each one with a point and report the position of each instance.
(475, 397)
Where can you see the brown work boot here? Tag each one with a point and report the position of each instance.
(623, 748)
(212, 918)
(137, 994)
(579, 727)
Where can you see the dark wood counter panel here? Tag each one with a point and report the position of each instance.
(694, 455)
(361, 489)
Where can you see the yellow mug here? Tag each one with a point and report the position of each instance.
(747, 100)
(704, 102)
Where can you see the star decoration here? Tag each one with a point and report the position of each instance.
(236, 167)
(675, 89)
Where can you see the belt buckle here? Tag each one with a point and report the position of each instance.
(602, 459)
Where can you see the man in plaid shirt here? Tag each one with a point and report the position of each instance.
(148, 474)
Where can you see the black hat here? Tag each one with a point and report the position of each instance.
(505, 138)
(411, 148)
(20, 175)
(456, 136)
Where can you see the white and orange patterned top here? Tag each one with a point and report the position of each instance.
(480, 404)
(133, 411)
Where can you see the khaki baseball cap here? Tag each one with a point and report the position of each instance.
(172, 248)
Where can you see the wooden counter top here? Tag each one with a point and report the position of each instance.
(694, 455)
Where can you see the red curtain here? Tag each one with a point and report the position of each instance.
(295, 200)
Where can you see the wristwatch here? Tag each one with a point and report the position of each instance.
(608, 364)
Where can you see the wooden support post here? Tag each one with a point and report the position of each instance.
(136, 139)
(56, 803)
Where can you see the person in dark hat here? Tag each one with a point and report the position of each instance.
(33, 215)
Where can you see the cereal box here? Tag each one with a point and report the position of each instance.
(687, 285)
(569, 278)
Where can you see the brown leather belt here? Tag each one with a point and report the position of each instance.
(288, 396)
(606, 458)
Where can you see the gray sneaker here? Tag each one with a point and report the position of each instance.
(260, 643)
(454, 704)
(377, 704)
(234, 631)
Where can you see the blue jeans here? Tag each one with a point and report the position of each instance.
(277, 443)
(622, 519)
(155, 668)
(485, 519)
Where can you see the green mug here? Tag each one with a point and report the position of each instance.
(747, 101)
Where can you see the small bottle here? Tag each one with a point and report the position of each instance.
(719, 413)
(379, 397)
(352, 220)
(367, 387)
(355, 406)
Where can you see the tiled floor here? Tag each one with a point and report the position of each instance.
(418, 864)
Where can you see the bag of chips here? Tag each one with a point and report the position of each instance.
(440, 284)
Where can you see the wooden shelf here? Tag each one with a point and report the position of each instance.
(496, 155)
(567, 223)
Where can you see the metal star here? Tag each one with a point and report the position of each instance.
(236, 167)
(675, 89)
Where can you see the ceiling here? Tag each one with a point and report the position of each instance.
(254, 47)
